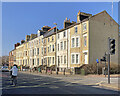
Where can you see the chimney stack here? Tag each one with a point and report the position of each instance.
(32, 36)
(68, 23)
(27, 37)
(45, 28)
(18, 44)
(22, 41)
(81, 16)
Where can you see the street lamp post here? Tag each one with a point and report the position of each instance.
(56, 48)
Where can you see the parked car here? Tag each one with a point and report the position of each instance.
(4, 69)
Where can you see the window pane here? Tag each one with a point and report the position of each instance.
(61, 60)
(75, 29)
(38, 61)
(64, 34)
(84, 26)
(76, 58)
(58, 47)
(38, 51)
(73, 58)
(73, 41)
(50, 60)
(48, 39)
(53, 60)
(77, 42)
(61, 45)
(53, 48)
(64, 44)
(50, 48)
(64, 59)
(85, 41)
(52, 38)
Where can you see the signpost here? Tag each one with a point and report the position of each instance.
(104, 60)
(97, 60)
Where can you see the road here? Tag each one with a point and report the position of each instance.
(37, 84)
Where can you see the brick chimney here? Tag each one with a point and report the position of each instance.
(68, 23)
(18, 44)
(81, 16)
(32, 36)
(22, 41)
(27, 38)
(45, 28)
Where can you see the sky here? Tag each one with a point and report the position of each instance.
(24, 18)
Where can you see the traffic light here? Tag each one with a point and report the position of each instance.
(104, 58)
(112, 46)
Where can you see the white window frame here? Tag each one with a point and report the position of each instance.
(50, 60)
(58, 36)
(83, 40)
(72, 42)
(50, 48)
(38, 51)
(53, 60)
(75, 29)
(37, 61)
(61, 59)
(75, 58)
(53, 47)
(65, 57)
(61, 45)
(78, 41)
(65, 44)
(64, 34)
(84, 26)
(58, 47)
(72, 59)
(48, 39)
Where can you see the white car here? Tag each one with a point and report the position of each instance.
(4, 69)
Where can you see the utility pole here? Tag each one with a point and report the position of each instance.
(112, 8)
(105, 63)
(108, 60)
(97, 69)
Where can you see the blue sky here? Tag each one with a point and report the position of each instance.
(23, 18)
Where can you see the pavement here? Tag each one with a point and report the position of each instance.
(96, 80)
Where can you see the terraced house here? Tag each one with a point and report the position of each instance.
(78, 43)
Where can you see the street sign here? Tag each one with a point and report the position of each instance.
(97, 60)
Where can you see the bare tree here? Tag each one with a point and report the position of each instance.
(4, 60)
